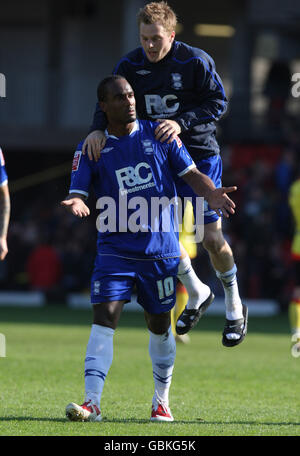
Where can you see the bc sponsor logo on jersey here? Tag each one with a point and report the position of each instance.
(132, 179)
(76, 160)
(148, 146)
(176, 81)
(157, 106)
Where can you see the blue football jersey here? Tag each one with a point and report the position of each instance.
(134, 186)
(3, 174)
(183, 86)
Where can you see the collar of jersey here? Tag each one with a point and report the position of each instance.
(135, 128)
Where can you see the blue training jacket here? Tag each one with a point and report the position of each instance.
(183, 86)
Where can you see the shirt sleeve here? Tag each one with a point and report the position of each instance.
(81, 175)
(210, 93)
(180, 160)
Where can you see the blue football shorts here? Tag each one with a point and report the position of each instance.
(115, 279)
(211, 167)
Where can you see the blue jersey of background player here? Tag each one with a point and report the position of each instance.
(131, 145)
(183, 88)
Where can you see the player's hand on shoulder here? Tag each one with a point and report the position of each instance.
(76, 206)
(93, 144)
(220, 202)
(167, 130)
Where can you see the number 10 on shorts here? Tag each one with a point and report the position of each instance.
(2, 346)
(165, 287)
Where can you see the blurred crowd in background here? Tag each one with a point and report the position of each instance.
(64, 52)
(53, 251)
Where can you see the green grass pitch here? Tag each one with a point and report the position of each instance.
(249, 390)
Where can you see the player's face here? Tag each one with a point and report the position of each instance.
(156, 41)
(120, 103)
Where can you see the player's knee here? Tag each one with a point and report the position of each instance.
(106, 314)
(213, 242)
(158, 323)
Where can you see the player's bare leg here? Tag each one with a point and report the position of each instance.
(162, 351)
(221, 257)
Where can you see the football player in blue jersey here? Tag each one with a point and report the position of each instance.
(4, 208)
(178, 86)
(134, 247)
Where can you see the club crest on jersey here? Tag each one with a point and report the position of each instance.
(148, 146)
(176, 81)
(76, 160)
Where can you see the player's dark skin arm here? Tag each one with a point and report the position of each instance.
(216, 197)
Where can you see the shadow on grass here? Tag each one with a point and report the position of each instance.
(31, 418)
(147, 421)
(201, 422)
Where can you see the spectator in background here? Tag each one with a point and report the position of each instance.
(4, 208)
(44, 267)
(277, 89)
(294, 306)
(284, 171)
(284, 175)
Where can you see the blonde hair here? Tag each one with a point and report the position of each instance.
(158, 12)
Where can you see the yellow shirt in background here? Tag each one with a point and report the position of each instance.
(187, 235)
(294, 201)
